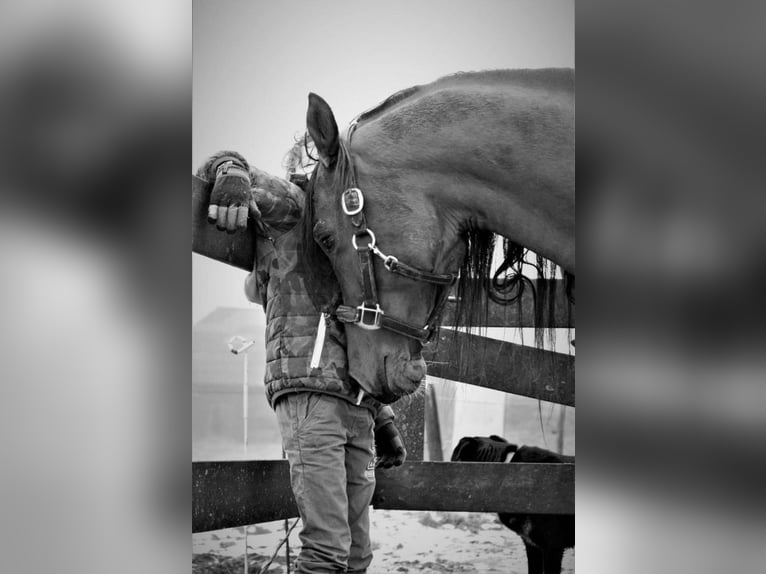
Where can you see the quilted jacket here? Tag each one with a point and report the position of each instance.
(278, 283)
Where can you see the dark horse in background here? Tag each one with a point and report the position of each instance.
(545, 536)
(412, 195)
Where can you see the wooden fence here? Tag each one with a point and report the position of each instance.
(228, 494)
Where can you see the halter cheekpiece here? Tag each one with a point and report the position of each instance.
(369, 315)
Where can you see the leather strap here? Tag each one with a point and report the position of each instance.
(369, 286)
(396, 266)
(369, 315)
(347, 314)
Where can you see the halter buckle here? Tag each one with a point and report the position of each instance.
(352, 201)
(375, 315)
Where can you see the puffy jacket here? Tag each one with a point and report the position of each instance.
(278, 283)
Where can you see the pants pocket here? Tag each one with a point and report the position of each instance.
(307, 405)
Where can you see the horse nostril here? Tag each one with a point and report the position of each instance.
(415, 369)
(415, 349)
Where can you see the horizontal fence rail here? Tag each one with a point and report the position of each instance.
(229, 494)
(477, 487)
(504, 366)
(237, 493)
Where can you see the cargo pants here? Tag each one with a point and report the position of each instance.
(330, 447)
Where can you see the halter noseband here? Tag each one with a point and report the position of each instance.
(369, 315)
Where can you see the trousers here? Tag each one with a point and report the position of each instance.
(330, 447)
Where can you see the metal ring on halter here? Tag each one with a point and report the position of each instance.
(370, 245)
(359, 196)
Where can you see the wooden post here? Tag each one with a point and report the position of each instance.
(410, 422)
(433, 430)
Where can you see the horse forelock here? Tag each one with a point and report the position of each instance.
(343, 175)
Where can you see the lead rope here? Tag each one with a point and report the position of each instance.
(287, 534)
(276, 551)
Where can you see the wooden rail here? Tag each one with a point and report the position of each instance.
(505, 367)
(236, 493)
(228, 494)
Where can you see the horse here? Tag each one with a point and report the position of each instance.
(411, 195)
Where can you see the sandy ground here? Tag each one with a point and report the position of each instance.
(403, 541)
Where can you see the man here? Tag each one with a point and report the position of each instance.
(329, 428)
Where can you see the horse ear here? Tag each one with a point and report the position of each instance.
(323, 129)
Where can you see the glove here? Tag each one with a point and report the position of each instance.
(389, 446)
(230, 200)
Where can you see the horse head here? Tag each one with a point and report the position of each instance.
(411, 195)
(391, 301)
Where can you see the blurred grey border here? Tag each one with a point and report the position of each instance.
(671, 370)
(95, 107)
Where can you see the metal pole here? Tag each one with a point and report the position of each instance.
(244, 401)
(244, 420)
(562, 422)
(240, 345)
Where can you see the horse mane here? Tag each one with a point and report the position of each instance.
(388, 103)
(547, 78)
(299, 158)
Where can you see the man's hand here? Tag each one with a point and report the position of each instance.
(389, 446)
(231, 197)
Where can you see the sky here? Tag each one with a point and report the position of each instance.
(255, 63)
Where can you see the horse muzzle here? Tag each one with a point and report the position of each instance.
(404, 376)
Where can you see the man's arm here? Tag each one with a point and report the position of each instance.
(270, 199)
(237, 249)
(229, 199)
(279, 202)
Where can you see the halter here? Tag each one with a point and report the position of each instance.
(369, 315)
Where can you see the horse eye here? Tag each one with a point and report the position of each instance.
(324, 237)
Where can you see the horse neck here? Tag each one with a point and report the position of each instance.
(500, 159)
(536, 217)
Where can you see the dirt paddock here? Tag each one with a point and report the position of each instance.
(403, 541)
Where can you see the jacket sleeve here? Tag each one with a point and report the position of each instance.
(279, 201)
